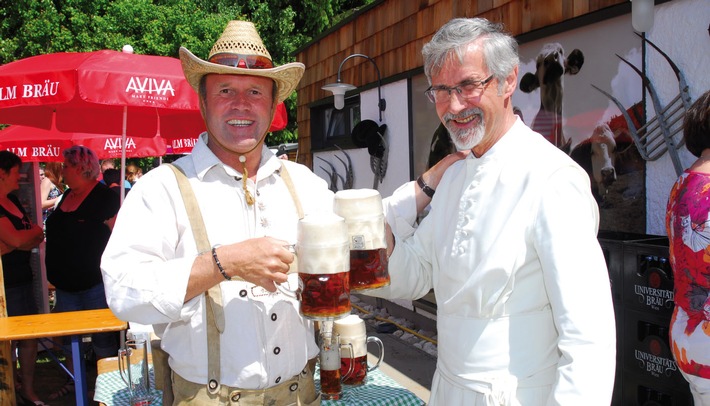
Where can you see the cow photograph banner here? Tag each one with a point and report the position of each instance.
(563, 79)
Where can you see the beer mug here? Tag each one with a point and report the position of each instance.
(133, 368)
(331, 378)
(354, 358)
(362, 211)
(323, 267)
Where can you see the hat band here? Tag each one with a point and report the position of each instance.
(242, 61)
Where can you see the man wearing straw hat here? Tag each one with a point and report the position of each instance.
(250, 202)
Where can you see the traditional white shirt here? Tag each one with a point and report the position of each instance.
(524, 308)
(147, 263)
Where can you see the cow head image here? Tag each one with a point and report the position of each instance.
(551, 65)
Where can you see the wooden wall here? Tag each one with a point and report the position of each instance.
(392, 32)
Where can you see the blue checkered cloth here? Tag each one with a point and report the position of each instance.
(379, 390)
(111, 390)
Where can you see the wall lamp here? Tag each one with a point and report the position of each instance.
(339, 88)
(642, 15)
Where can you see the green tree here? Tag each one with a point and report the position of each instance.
(160, 27)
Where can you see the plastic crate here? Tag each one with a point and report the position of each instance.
(648, 279)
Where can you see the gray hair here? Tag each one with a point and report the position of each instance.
(83, 158)
(500, 49)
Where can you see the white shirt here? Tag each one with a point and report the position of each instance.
(147, 263)
(521, 284)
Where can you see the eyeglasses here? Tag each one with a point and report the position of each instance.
(242, 61)
(466, 89)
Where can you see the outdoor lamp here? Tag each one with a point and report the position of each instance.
(339, 88)
(642, 15)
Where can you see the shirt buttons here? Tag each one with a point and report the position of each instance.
(277, 350)
(274, 317)
(243, 293)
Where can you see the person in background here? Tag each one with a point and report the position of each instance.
(109, 164)
(77, 233)
(688, 228)
(18, 236)
(525, 313)
(112, 179)
(51, 187)
(133, 173)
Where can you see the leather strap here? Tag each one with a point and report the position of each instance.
(292, 190)
(213, 297)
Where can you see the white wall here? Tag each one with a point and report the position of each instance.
(396, 118)
(680, 29)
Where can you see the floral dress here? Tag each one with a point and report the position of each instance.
(688, 228)
(53, 193)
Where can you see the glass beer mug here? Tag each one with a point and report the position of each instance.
(362, 211)
(331, 378)
(323, 267)
(133, 368)
(353, 358)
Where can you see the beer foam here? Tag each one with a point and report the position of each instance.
(357, 204)
(352, 331)
(323, 246)
(362, 211)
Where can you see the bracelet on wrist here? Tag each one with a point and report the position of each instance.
(425, 188)
(219, 265)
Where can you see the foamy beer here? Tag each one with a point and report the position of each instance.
(362, 211)
(351, 330)
(323, 267)
(329, 359)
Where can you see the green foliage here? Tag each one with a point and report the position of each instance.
(160, 27)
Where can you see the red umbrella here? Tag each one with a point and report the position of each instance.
(103, 92)
(33, 144)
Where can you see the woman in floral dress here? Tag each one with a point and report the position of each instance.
(688, 228)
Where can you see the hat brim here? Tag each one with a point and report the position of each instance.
(286, 76)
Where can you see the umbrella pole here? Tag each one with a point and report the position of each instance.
(123, 153)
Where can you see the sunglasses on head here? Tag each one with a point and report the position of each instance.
(242, 61)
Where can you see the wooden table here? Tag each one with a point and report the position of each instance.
(74, 324)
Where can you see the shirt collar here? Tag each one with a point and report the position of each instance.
(204, 160)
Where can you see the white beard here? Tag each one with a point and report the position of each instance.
(465, 140)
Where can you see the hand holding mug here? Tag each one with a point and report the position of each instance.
(263, 261)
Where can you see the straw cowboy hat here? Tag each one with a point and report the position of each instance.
(240, 51)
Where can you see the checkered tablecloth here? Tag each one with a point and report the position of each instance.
(111, 390)
(379, 390)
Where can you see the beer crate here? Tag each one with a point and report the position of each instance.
(612, 244)
(647, 277)
(646, 349)
(637, 391)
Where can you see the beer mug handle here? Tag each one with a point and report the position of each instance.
(294, 268)
(352, 364)
(123, 370)
(288, 292)
(373, 339)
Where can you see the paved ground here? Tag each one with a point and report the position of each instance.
(406, 364)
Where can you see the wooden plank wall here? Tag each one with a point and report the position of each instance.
(393, 33)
